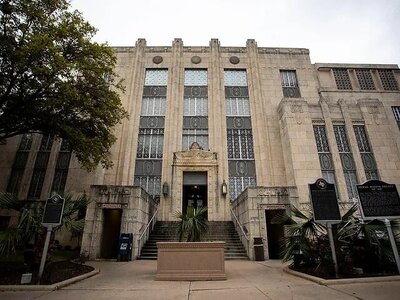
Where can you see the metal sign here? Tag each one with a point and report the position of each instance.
(53, 211)
(324, 201)
(379, 200)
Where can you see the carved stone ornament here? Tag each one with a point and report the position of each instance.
(234, 60)
(157, 59)
(196, 59)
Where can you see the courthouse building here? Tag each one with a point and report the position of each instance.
(241, 130)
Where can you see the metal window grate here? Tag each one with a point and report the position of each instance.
(347, 160)
(196, 77)
(365, 80)
(325, 157)
(367, 156)
(321, 139)
(388, 80)
(156, 77)
(342, 79)
(396, 112)
(235, 78)
(290, 86)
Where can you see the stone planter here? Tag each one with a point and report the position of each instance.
(190, 261)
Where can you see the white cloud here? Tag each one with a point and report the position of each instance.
(364, 31)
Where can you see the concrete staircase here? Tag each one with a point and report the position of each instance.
(217, 231)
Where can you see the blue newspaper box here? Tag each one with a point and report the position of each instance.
(125, 247)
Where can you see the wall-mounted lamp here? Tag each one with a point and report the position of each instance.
(165, 189)
(224, 188)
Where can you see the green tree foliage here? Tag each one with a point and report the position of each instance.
(28, 228)
(54, 79)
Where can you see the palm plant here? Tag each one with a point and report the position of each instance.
(29, 228)
(192, 225)
(304, 237)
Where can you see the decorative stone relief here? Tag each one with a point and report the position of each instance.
(157, 59)
(234, 60)
(374, 112)
(196, 60)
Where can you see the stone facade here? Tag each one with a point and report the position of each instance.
(282, 124)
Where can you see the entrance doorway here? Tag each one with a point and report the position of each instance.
(275, 233)
(194, 190)
(111, 231)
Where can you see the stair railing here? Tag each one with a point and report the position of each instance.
(243, 236)
(144, 236)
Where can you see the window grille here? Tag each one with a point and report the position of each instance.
(154, 106)
(190, 136)
(196, 77)
(367, 156)
(347, 161)
(150, 143)
(195, 106)
(290, 86)
(156, 77)
(195, 109)
(388, 80)
(151, 131)
(239, 133)
(237, 106)
(238, 184)
(21, 157)
(240, 144)
(342, 79)
(396, 112)
(235, 78)
(62, 166)
(325, 157)
(151, 184)
(365, 80)
(39, 170)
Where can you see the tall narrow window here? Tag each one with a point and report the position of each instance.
(151, 132)
(241, 163)
(388, 80)
(342, 79)
(396, 112)
(19, 164)
(39, 170)
(367, 156)
(195, 112)
(290, 86)
(62, 166)
(365, 80)
(324, 153)
(346, 157)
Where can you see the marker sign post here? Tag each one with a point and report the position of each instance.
(380, 200)
(51, 218)
(326, 210)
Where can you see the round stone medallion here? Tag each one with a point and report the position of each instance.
(196, 59)
(234, 60)
(157, 59)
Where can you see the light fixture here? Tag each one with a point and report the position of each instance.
(224, 188)
(165, 189)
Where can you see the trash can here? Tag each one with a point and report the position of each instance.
(258, 249)
(125, 247)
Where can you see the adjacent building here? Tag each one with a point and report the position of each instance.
(241, 130)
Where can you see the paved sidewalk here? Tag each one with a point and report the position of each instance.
(246, 280)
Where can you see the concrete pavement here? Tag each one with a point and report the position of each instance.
(246, 280)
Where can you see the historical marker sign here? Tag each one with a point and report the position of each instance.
(379, 199)
(53, 211)
(324, 201)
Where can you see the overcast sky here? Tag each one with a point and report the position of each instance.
(335, 31)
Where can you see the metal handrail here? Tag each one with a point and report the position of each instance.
(146, 231)
(238, 223)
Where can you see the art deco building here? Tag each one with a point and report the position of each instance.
(241, 130)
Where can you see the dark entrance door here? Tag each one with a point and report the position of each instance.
(275, 233)
(111, 230)
(194, 190)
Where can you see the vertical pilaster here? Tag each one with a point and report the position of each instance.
(262, 142)
(125, 166)
(173, 124)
